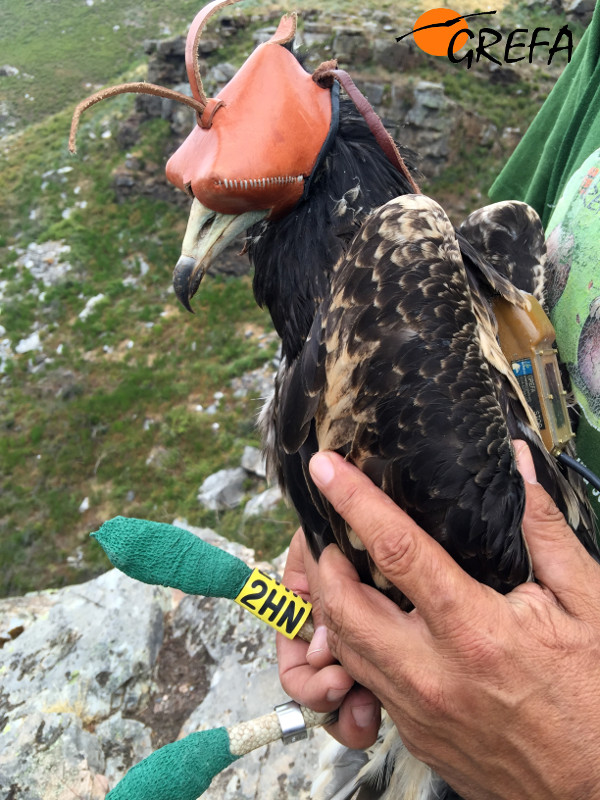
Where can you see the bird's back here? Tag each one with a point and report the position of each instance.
(402, 374)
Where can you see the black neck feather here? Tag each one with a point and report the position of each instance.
(293, 257)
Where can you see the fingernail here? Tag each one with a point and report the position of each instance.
(321, 469)
(363, 715)
(333, 695)
(525, 461)
(319, 641)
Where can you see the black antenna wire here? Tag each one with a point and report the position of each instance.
(577, 466)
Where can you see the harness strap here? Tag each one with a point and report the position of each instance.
(324, 76)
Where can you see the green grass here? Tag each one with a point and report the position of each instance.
(104, 419)
(124, 432)
(63, 50)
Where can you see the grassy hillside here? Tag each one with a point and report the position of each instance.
(64, 48)
(107, 407)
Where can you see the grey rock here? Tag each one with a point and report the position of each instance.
(393, 56)
(96, 676)
(124, 742)
(81, 658)
(45, 262)
(29, 344)
(244, 684)
(253, 461)
(374, 91)
(18, 613)
(430, 102)
(501, 74)
(223, 489)
(582, 9)
(263, 502)
(171, 48)
(150, 46)
(258, 382)
(117, 658)
(221, 73)
(382, 17)
(351, 45)
(488, 135)
(229, 26)
(91, 303)
(8, 121)
(317, 27)
(208, 46)
(48, 755)
(263, 34)
(430, 123)
(314, 40)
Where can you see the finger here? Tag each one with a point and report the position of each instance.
(359, 719)
(560, 562)
(320, 689)
(294, 573)
(298, 676)
(367, 632)
(318, 653)
(402, 551)
(301, 575)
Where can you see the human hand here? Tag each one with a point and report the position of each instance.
(499, 694)
(309, 673)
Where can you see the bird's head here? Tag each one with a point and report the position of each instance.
(252, 150)
(255, 147)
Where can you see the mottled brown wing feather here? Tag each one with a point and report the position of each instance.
(403, 375)
(510, 237)
(399, 384)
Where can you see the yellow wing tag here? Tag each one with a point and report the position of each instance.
(270, 601)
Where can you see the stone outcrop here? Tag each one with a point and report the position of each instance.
(229, 488)
(223, 489)
(95, 677)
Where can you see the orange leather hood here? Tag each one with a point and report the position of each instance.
(263, 141)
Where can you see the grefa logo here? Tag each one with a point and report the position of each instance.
(443, 32)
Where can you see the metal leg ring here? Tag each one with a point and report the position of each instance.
(293, 727)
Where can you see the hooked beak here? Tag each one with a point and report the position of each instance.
(208, 233)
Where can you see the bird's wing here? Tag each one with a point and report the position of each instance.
(396, 376)
(506, 247)
(510, 238)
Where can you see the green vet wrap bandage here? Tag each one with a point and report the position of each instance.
(182, 770)
(157, 553)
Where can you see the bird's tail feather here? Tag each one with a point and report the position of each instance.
(387, 771)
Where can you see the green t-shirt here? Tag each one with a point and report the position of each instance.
(564, 132)
(573, 296)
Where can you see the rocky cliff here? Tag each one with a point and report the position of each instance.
(96, 676)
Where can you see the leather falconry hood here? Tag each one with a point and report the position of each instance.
(257, 143)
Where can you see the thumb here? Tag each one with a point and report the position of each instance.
(559, 560)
